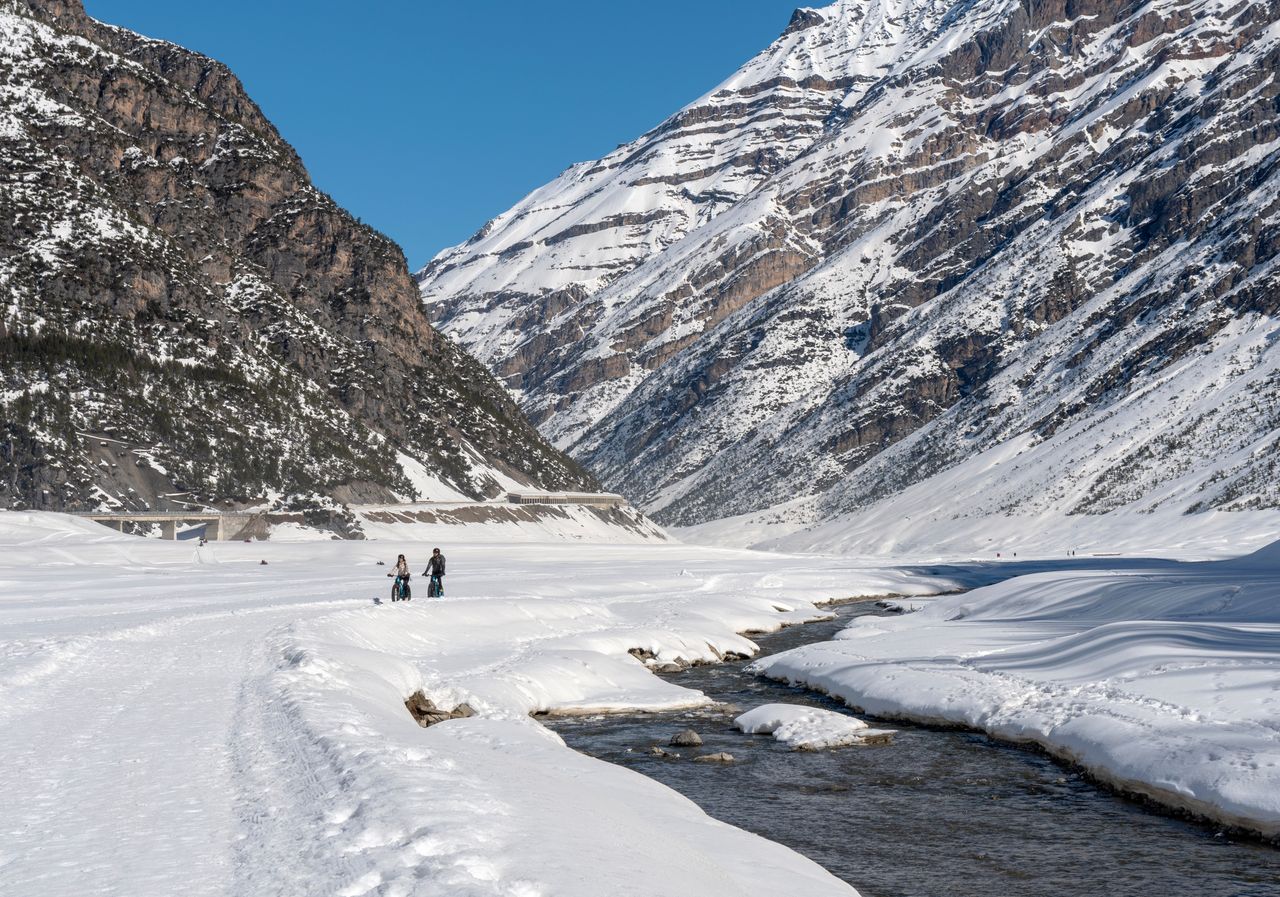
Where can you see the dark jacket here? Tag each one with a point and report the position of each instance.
(435, 566)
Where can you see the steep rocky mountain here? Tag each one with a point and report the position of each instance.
(184, 313)
(1034, 240)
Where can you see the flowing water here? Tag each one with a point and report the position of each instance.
(938, 812)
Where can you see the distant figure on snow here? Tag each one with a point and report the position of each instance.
(400, 588)
(435, 569)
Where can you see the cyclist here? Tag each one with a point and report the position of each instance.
(435, 569)
(400, 588)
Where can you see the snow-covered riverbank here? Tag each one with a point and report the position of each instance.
(1161, 682)
(185, 719)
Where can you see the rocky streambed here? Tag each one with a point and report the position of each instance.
(934, 812)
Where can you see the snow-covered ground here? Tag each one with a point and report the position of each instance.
(940, 517)
(185, 719)
(1165, 682)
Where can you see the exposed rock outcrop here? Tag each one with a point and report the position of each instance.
(177, 292)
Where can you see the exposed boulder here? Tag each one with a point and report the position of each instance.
(424, 710)
(718, 757)
(687, 738)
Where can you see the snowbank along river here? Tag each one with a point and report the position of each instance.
(937, 812)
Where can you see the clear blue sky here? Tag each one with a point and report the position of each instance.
(428, 118)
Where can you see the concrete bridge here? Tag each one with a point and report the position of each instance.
(219, 527)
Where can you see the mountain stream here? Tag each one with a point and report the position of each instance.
(936, 813)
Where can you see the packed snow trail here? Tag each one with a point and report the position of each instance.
(183, 719)
(122, 700)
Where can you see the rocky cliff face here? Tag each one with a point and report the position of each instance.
(909, 233)
(183, 312)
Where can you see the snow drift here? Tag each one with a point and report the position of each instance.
(1160, 682)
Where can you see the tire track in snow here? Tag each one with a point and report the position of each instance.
(128, 725)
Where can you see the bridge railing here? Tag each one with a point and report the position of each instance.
(221, 521)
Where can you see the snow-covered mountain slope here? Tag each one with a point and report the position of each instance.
(1040, 229)
(183, 313)
(531, 269)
